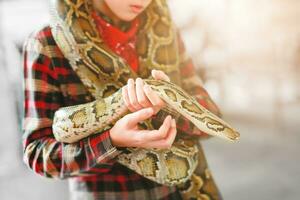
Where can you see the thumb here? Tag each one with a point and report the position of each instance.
(139, 116)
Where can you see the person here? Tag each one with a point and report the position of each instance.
(90, 164)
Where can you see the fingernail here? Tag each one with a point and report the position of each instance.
(174, 122)
(149, 110)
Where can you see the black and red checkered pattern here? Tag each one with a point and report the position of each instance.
(49, 84)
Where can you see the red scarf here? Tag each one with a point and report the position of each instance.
(120, 42)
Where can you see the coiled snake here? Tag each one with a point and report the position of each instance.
(104, 73)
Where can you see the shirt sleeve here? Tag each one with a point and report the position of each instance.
(193, 84)
(42, 153)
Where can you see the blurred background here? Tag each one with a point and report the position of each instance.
(248, 54)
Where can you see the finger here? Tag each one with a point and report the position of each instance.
(134, 118)
(126, 99)
(132, 95)
(155, 100)
(160, 75)
(172, 134)
(141, 97)
(161, 133)
(167, 142)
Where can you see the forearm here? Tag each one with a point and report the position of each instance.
(193, 85)
(44, 95)
(195, 89)
(50, 158)
(74, 123)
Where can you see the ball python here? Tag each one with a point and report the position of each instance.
(104, 74)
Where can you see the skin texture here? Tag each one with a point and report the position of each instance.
(125, 133)
(137, 95)
(139, 98)
(121, 10)
(143, 103)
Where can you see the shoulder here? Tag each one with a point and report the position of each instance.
(42, 33)
(41, 53)
(41, 41)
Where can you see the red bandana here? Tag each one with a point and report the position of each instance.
(122, 43)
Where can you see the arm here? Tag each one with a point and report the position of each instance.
(192, 83)
(42, 153)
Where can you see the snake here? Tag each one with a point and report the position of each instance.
(104, 73)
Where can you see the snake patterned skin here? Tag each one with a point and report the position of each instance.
(104, 74)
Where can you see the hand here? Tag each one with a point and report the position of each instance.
(160, 75)
(125, 133)
(138, 95)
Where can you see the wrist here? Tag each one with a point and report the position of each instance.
(114, 139)
(114, 142)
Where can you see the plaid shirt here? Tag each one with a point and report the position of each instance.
(50, 83)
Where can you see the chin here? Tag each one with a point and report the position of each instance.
(128, 17)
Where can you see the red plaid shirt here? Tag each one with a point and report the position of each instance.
(50, 83)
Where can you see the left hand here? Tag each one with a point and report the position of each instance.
(138, 95)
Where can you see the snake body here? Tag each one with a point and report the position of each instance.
(104, 74)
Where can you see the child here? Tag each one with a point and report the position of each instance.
(90, 164)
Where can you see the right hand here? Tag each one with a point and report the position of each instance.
(137, 95)
(125, 133)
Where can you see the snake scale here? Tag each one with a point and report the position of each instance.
(104, 74)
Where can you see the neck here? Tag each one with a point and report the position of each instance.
(102, 7)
